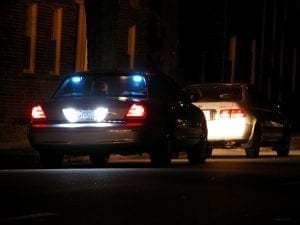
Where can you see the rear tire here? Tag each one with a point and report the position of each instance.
(162, 154)
(253, 150)
(50, 160)
(209, 151)
(198, 153)
(283, 148)
(99, 159)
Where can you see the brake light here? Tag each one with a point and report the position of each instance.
(37, 112)
(237, 113)
(136, 111)
(225, 113)
(232, 113)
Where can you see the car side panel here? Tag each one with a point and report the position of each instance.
(190, 125)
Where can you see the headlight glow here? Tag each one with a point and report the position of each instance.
(71, 114)
(100, 114)
(227, 129)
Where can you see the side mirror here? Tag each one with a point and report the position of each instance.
(276, 108)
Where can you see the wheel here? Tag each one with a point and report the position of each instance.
(162, 154)
(283, 147)
(50, 159)
(197, 154)
(253, 150)
(99, 159)
(209, 151)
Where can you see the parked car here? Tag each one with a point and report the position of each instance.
(239, 116)
(124, 112)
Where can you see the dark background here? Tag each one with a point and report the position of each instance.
(254, 41)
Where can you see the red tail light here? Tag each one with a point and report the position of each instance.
(38, 113)
(136, 111)
(232, 113)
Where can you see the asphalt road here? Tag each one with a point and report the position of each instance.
(225, 190)
(26, 158)
(19, 155)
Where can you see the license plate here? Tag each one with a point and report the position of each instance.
(87, 115)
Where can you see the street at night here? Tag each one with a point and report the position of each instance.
(81, 81)
(227, 189)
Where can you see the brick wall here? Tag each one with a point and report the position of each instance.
(18, 91)
(128, 16)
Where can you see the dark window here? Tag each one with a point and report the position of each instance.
(128, 86)
(220, 92)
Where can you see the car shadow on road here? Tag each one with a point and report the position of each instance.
(31, 161)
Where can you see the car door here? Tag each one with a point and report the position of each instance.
(181, 115)
(271, 122)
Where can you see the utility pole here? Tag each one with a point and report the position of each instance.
(224, 39)
(262, 52)
(233, 41)
(253, 64)
(294, 70)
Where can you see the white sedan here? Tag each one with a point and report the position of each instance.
(238, 116)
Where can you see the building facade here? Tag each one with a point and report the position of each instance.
(43, 40)
(38, 40)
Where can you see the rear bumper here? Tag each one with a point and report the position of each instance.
(87, 138)
(270, 137)
(223, 133)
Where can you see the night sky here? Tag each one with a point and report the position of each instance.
(206, 28)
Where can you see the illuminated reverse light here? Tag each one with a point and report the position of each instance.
(72, 115)
(100, 114)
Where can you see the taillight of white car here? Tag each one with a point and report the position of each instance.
(232, 113)
(228, 124)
